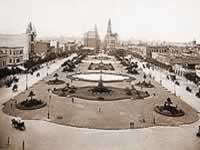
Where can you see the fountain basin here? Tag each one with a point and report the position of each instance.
(106, 77)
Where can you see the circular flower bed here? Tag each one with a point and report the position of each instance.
(114, 94)
(145, 84)
(64, 91)
(174, 112)
(102, 57)
(55, 82)
(100, 66)
(31, 104)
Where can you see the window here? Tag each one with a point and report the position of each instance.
(10, 60)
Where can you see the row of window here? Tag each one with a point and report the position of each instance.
(3, 63)
(13, 51)
(14, 60)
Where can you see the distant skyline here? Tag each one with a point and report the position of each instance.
(165, 20)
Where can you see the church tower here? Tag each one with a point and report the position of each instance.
(111, 39)
(109, 29)
(31, 33)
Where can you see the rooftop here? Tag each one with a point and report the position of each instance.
(13, 40)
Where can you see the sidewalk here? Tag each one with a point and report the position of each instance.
(186, 96)
(7, 93)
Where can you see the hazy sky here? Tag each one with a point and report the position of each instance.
(168, 20)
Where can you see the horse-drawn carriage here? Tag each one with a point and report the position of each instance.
(15, 88)
(18, 123)
(188, 89)
(11, 80)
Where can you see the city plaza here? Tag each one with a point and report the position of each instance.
(104, 120)
(86, 97)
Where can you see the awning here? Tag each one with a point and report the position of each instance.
(9, 67)
(21, 67)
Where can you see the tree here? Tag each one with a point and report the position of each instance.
(31, 94)
(169, 101)
(56, 76)
(144, 77)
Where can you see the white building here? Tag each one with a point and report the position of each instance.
(16, 46)
(54, 43)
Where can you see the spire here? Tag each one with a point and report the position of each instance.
(31, 30)
(109, 30)
(95, 28)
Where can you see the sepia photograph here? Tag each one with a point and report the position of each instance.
(99, 75)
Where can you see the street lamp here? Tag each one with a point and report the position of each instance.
(27, 72)
(174, 88)
(49, 94)
(47, 69)
(160, 77)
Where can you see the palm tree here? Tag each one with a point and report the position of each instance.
(67, 85)
(169, 102)
(31, 94)
(56, 76)
(144, 77)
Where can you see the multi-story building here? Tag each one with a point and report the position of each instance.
(17, 46)
(3, 60)
(16, 40)
(138, 51)
(54, 43)
(111, 39)
(15, 55)
(71, 45)
(154, 51)
(41, 48)
(92, 39)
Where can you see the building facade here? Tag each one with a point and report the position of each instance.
(15, 55)
(111, 39)
(3, 60)
(18, 46)
(41, 48)
(92, 39)
(71, 45)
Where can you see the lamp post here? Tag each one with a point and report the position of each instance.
(48, 113)
(27, 72)
(47, 68)
(174, 88)
(160, 77)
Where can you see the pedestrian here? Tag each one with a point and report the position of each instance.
(8, 140)
(99, 109)
(131, 125)
(11, 105)
(154, 120)
(23, 145)
(72, 100)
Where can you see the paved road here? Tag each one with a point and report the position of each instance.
(42, 135)
(188, 97)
